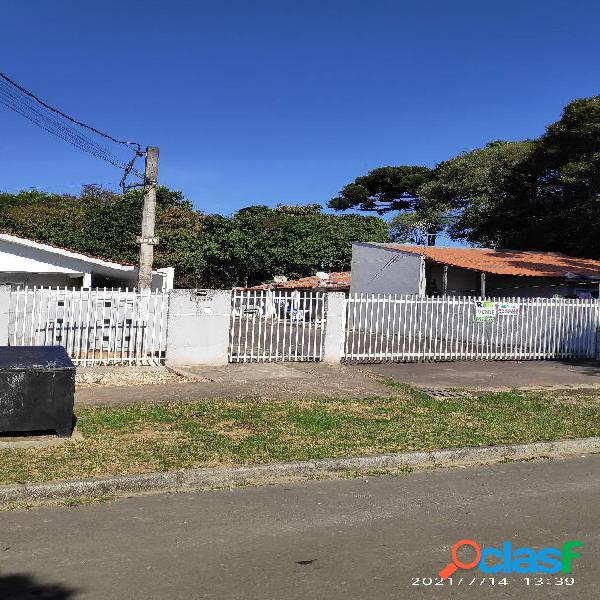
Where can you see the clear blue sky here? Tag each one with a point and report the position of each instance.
(267, 101)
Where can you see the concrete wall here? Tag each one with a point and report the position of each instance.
(379, 270)
(335, 327)
(198, 327)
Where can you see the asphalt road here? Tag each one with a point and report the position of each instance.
(351, 539)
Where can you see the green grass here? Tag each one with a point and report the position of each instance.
(140, 439)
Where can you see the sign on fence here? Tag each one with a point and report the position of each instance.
(508, 308)
(390, 327)
(485, 312)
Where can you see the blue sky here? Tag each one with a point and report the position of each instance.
(267, 101)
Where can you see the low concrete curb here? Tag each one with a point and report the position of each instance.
(44, 441)
(172, 481)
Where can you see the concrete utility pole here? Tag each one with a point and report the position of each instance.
(147, 240)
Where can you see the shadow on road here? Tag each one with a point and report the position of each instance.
(26, 587)
(585, 367)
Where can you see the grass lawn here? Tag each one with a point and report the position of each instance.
(140, 439)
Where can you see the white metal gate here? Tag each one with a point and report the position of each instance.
(273, 325)
(390, 327)
(96, 326)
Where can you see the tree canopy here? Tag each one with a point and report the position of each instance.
(383, 190)
(540, 194)
(395, 189)
(470, 187)
(246, 248)
(553, 199)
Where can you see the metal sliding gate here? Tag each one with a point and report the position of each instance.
(96, 326)
(390, 327)
(273, 325)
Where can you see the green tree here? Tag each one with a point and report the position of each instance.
(541, 194)
(395, 189)
(102, 223)
(246, 248)
(259, 242)
(554, 199)
(419, 227)
(467, 191)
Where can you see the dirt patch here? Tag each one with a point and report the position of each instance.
(114, 377)
(231, 430)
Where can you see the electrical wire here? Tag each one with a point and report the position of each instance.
(23, 102)
(55, 127)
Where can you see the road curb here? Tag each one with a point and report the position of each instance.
(218, 477)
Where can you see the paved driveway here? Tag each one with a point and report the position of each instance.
(361, 539)
(492, 374)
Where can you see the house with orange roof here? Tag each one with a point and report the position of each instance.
(429, 270)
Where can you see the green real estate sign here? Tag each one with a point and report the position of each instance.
(485, 312)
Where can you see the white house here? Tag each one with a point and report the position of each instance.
(28, 263)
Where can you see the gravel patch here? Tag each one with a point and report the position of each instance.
(122, 376)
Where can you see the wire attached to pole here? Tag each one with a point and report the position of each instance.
(24, 106)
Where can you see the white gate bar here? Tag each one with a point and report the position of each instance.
(391, 327)
(95, 326)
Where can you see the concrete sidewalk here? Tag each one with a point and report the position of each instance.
(493, 375)
(320, 380)
(259, 380)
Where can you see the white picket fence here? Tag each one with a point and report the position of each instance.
(96, 326)
(274, 325)
(390, 327)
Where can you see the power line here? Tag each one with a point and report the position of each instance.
(23, 102)
(53, 126)
(62, 114)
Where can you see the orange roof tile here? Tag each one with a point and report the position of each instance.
(337, 280)
(506, 262)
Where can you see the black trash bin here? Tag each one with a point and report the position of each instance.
(37, 388)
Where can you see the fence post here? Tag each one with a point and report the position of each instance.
(335, 327)
(198, 327)
(597, 323)
(4, 314)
